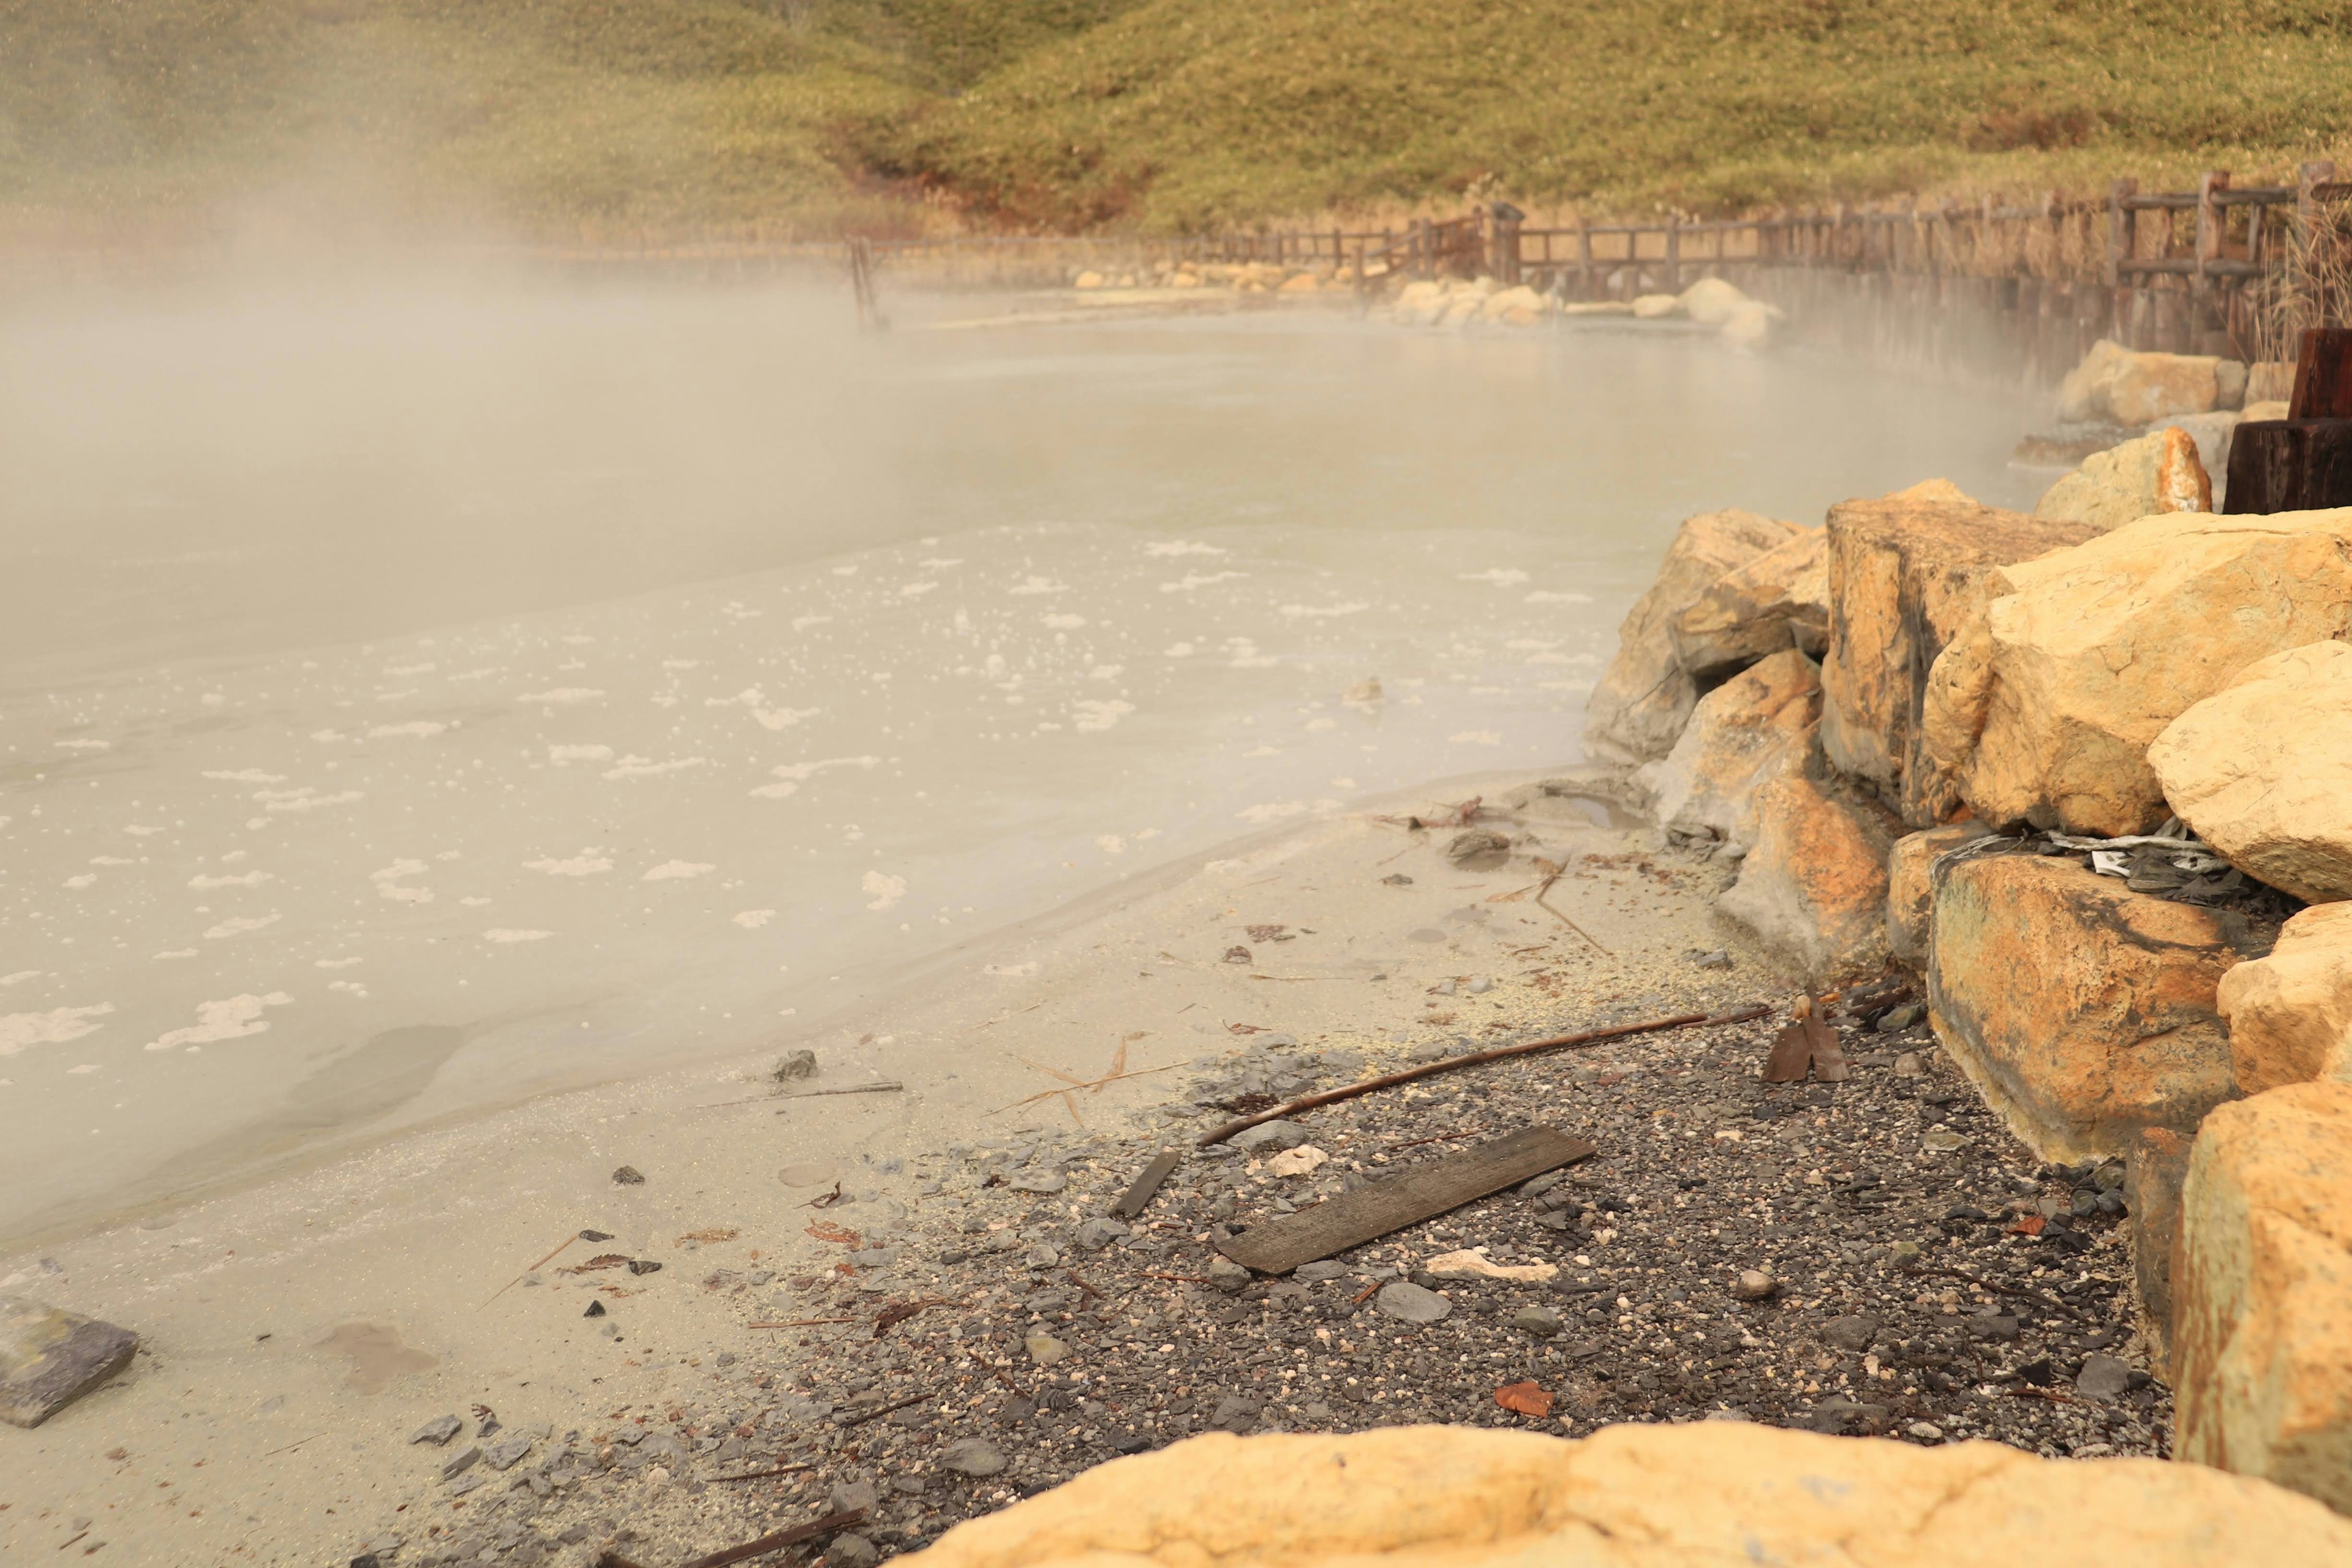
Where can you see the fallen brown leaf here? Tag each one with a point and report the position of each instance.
(1526, 1398)
(725, 1233)
(826, 1230)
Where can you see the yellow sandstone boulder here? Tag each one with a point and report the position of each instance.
(1813, 892)
(2082, 1010)
(1779, 600)
(2115, 383)
(2161, 471)
(1910, 886)
(1905, 572)
(1754, 727)
(1714, 1494)
(2043, 707)
(2290, 1013)
(1638, 707)
(2262, 769)
(2263, 1299)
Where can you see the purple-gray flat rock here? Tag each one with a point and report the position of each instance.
(50, 1358)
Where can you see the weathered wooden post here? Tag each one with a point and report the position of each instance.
(1674, 253)
(1503, 243)
(1584, 254)
(2305, 279)
(2302, 462)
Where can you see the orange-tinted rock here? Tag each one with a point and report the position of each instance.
(2154, 1168)
(1813, 892)
(2262, 769)
(2262, 1301)
(1910, 890)
(2044, 705)
(2082, 1010)
(2289, 1014)
(1706, 1495)
(1779, 600)
(1904, 573)
(2161, 471)
(1638, 707)
(1754, 727)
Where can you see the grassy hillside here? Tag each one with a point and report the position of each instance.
(1149, 113)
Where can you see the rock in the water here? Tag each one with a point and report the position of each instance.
(2262, 769)
(973, 1456)
(1044, 1348)
(794, 1065)
(1475, 841)
(629, 1176)
(49, 1358)
(2042, 708)
(1661, 1496)
(437, 1431)
(2161, 471)
(1814, 890)
(1910, 892)
(2263, 1302)
(2290, 1012)
(1906, 573)
(1097, 1234)
(2082, 1010)
(1778, 600)
(1638, 707)
(2117, 384)
(1411, 1303)
(1755, 726)
(1269, 1136)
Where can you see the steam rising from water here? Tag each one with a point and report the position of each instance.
(413, 700)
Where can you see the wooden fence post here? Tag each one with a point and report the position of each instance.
(2123, 229)
(2310, 309)
(1584, 253)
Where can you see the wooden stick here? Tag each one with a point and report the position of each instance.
(866, 1415)
(782, 1539)
(526, 1273)
(801, 1324)
(1558, 1042)
(763, 1475)
(886, 1086)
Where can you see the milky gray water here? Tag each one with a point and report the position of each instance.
(417, 696)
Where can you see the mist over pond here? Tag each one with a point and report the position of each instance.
(417, 696)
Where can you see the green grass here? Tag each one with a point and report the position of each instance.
(1150, 114)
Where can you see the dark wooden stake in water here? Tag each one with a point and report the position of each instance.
(2302, 462)
(861, 284)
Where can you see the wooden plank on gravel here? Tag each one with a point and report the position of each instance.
(1424, 1191)
(1138, 1195)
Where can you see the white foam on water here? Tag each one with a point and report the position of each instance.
(1192, 580)
(1324, 612)
(250, 880)
(419, 729)
(885, 891)
(562, 695)
(231, 1018)
(587, 863)
(21, 977)
(753, 919)
(508, 934)
(20, 1031)
(560, 755)
(241, 925)
(1167, 547)
(634, 767)
(1037, 585)
(245, 775)
(1547, 596)
(1475, 738)
(1095, 715)
(85, 745)
(335, 962)
(676, 871)
(84, 880)
(783, 718)
(1501, 577)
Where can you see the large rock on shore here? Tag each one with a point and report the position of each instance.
(1905, 572)
(2083, 1012)
(2290, 1013)
(2115, 382)
(2262, 769)
(2044, 705)
(1638, 708)
(49, 1358)
(1812, 890)
(1701, 1496)
(1756, 726)
(2263, 1308)
(1778, 600)
(2161, 472)
(1910, 885)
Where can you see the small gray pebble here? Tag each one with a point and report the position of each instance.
(1412, 1303)
(439, 1430)
(973, 1456)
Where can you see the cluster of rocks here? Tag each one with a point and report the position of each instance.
(1241, 278)
(1711, 302)
(2085, 777)
(2151, 432)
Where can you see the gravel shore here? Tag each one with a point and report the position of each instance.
(1850, 1258)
